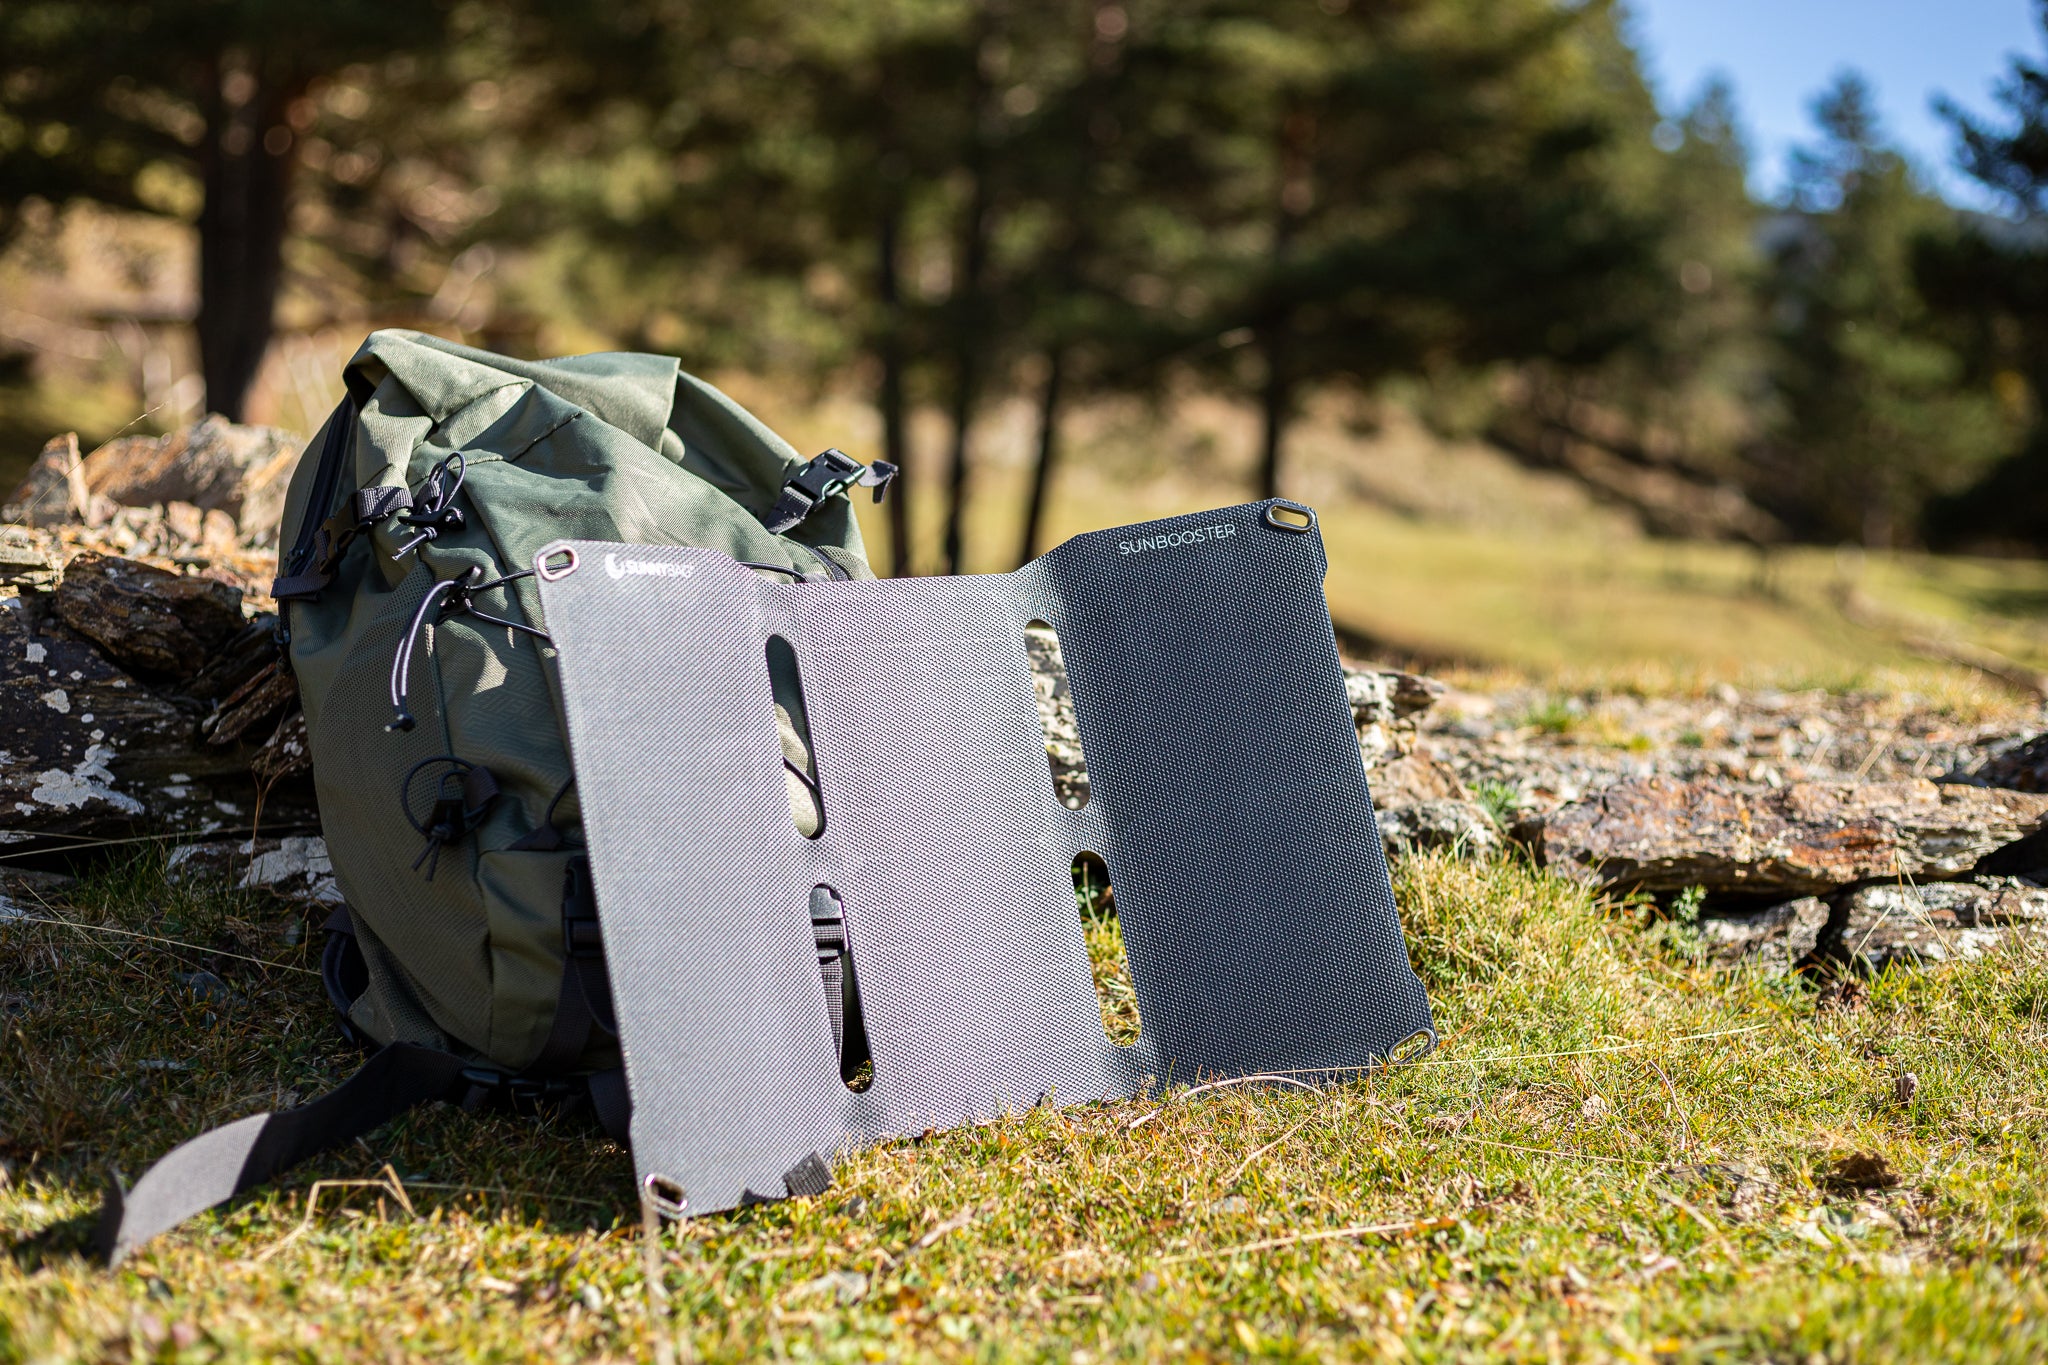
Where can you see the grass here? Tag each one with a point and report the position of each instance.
(1615, 1154)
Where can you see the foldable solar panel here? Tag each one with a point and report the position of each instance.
(1227, 798)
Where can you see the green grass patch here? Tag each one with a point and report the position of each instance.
(1615, 1154)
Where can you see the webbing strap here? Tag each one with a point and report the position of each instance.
(584, 1006)
(239, 1156)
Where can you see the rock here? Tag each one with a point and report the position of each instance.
(1777, 938)
(1412, 778)
(24, 894)
(1937, 922)
(27, 563)
(55, 489)
(285, 754)
(1458, 825)
(1387, 697)
(88, 749)
(156, 623)
(2024, 767)
(1659, 834)
(213, 466)
(207, 988)
(262, 698)
(1386, 707)
(206, 528)
(1056, 714)
(295, 867)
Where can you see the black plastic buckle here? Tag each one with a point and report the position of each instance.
(828, 472)
(581, 936)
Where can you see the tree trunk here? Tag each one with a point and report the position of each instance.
(1276, 341)
(1048, 449)
(895, 442)
(246, 170)
(1276, 409)
(970, 330)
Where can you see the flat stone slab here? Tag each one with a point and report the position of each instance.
(1941, 922)
(1660, 834)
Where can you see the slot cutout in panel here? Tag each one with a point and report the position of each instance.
(1108, 963)
(793, 728)
(1056, 714)
(841, 985)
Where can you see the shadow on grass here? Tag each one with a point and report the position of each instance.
(142, 1011)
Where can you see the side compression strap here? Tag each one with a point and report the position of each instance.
(239, 1156)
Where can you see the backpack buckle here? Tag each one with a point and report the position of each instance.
(824, 474)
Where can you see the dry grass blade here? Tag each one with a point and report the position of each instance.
(1408, 1229)
(1246, 1164)
(387, 1181)
(1263, 1077)
(160, 940)
(1568, 1156)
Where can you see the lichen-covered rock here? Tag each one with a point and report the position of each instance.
(88, 749)
(1937, 922)
(1056, 713)
(285, 754)
(1458, 825)
(295, 867)
(157, 623)
(1775, 939)
(1665, 835)
(72, 719)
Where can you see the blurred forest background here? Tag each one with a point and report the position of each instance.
(1554, 373)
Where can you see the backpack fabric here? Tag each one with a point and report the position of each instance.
(469, 948)
(463, 939)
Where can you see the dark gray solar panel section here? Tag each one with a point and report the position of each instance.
(1228, 798)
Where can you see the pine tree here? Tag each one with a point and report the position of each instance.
(1878, 417)
(127, 104)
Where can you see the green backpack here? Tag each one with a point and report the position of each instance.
(468, 952)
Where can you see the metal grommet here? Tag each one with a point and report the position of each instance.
(548, 574)
(1281, 515)
(664, 1195)
(1413, 1048)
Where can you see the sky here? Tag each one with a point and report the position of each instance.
(1779, 54)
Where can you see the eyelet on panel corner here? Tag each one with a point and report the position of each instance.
(545, 566)
(664, 1195)
(1282, 515)
(1413, 1048)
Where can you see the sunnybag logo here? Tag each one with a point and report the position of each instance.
(645, 568)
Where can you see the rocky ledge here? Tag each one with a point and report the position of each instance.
(145, 695)
(138, 669)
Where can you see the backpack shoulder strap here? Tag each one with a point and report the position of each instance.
(238, 1156)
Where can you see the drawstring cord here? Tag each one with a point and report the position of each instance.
(456, 810)
(434, 509)
(450, 595)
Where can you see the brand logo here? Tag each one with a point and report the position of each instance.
(645, 568)
(1175, 539)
